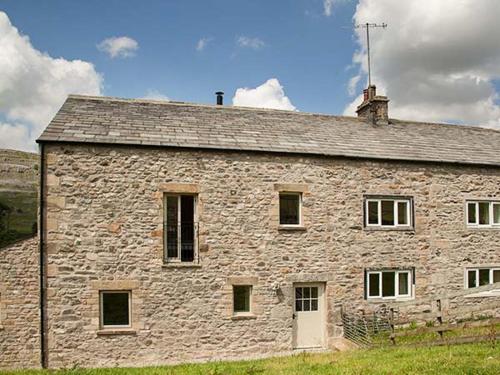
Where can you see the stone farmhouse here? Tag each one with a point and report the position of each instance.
(174, 232)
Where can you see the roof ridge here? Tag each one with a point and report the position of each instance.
(475, 127)
(204, 105)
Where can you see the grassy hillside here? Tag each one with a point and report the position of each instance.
(18, 195)
(459, 359)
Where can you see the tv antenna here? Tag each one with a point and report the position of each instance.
(367, 26)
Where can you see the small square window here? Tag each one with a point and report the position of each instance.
(389, 212)
(482, 276)
(241, 298)
(390, 284)
(471, 213)
(290, 208)
(115, 309)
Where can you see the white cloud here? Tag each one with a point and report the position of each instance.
(16, 137)
(268, 95)
(34, 85)
(247, 42)
(155, 95)
(120, 47)
(437, 60)
(328, 6)
(203, 43)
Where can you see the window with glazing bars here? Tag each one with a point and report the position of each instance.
(180, 227)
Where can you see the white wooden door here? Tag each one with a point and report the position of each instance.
(308, 317)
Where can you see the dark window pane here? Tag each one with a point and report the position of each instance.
(115, 309)
(241, 295)
(484, 277)
(298, 305)
(388, 284)
(372, 212)
(314, 305)
(484, 213)
(387, 212)
(403, 283)
(374, 285)
(289, 209)
(298, 293)
(471, 278)
(307, 292)
(187, 228)
(496, 276)
(496, 213)
(314, 292)
(471, 213)
(307, 305)
(172, 226)
(402, 213)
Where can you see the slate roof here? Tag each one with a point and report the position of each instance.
(106, 120)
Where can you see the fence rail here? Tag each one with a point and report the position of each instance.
(442, 326)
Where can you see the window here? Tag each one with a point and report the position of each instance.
(475, 277)
(483, 214)
(388, 212)
(115, 309)
(389, 284)
(180, 228)
(306, 298)
(241, 298)
(290, 208)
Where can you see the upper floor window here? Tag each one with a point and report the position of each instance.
(388, 212)
(389, 284)
(290, 209)
(483, 214)
(482, 276)
(180, 227)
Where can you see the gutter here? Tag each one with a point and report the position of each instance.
(41, 243)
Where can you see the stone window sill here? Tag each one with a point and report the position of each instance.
(116, 331)
(390, 229)
(181, 265)
(390, 300)
(249, 316)
(286, 228)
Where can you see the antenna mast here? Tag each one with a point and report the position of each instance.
(367, 27)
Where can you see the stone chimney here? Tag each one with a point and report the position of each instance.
(374, 107)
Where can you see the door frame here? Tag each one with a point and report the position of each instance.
(322, 305)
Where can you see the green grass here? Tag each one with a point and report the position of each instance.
(459, 359)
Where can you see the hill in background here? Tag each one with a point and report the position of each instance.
(18, 195)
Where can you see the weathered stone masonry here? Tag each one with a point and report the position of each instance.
(104, 230)
(19, 305)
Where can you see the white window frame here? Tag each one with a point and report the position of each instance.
(397, 295)
(396, 201)
(101, 310)
(299, 194)
(178, 259)
(250, 298)
(476, 224)
(476, 270)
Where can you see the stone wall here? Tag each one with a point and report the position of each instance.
(19, 305)
(104, 225)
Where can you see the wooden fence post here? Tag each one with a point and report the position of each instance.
(391, 324)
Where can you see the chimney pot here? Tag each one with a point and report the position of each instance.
(220, 97)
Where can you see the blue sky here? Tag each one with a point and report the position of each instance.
(306, 51)
(437, 61)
